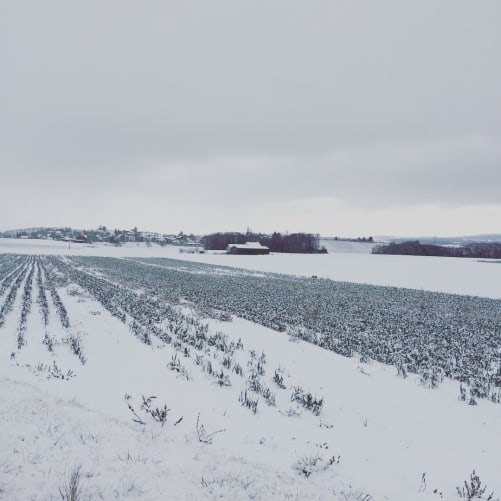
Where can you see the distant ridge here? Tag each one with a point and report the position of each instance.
(438, 240)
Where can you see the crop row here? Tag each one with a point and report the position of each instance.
(42, 295)
(25, 306)
(10, 270)
(8, 263)
(10, 285)
(58, 304)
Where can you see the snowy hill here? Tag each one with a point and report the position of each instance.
(76, 363)
(333, 245)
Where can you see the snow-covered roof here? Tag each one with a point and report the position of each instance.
(247, 245)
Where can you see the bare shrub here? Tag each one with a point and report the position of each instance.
(474, 489)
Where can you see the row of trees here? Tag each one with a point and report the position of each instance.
(487, 250)
(358, 239)
(291, 242)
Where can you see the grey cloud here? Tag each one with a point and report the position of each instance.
(228, 102)
(451, 172)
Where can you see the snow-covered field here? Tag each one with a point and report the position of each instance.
(349, 263)
(71, 371)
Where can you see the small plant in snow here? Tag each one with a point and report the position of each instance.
(422, 487)
(52, 371)
(290, 412)
(209, 368)
(203, 436)
(75, 343)
(237, 369)
(256, 364)
(279, 379)
(472, 400)
(246, 400)
(474, 489)
(135, 416)
(307, 400)
(48, 341)
(354, 495)
(72, 489)
(57, 373)
(310, 464)
(223, 379)
(255, 384)
(496, 396)
(462, 393)
(268, 396)
(259, 368)
(326, 425)
(175, 365)
(159, 414)
(219, 485)
(220, 341)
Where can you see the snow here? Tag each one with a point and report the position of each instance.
(386, 431)
(247, 245)
(440, 274)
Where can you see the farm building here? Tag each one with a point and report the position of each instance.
(81, 239)
(249, 248)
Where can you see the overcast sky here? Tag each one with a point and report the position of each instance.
(339, 117)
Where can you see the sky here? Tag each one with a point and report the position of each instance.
(335, 117)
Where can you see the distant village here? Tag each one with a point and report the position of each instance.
(102, 234)
(232, 242)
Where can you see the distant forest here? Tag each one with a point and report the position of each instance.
(489, 250)
(290, 242)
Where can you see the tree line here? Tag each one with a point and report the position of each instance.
(487, 250)
(307, 243)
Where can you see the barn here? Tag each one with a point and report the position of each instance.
(249, 248)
